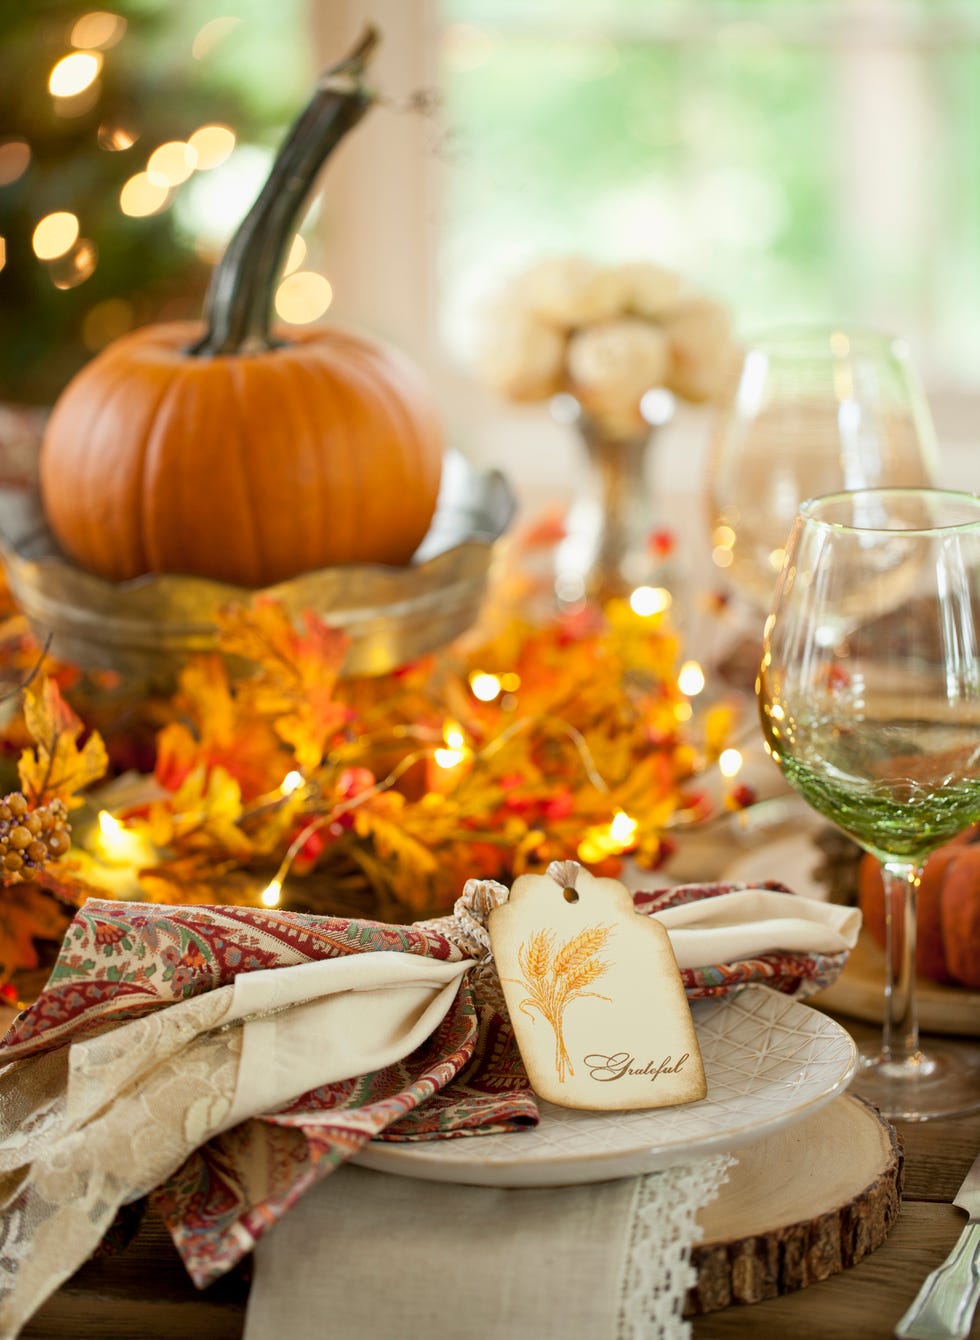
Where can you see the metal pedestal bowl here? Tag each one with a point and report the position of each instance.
(146, 628)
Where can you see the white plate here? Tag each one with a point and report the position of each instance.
(768, 1060)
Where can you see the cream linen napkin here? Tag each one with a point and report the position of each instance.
(748, 922)
(90, 1127)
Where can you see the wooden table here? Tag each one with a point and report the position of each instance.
(144, 1294)
(865, 1302)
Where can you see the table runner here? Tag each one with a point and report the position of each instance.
(368, 1256)
(132, 1071)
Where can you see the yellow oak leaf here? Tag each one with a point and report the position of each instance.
(296, 672)
(202, 814)
(56, 768)
(393, 843)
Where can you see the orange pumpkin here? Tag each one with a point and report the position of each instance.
(235, 452)
(948, 911)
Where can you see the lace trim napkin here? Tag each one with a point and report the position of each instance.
(211, 1056)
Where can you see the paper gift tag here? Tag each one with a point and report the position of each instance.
(594, 994)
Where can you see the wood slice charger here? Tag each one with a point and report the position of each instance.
(799, 1206)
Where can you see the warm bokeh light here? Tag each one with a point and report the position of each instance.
(74, 74)
(292, 781)
(296, 257)
(690, 679)
(271, 894)
(116, 139)
(54, 235)
(208, 37)
(622, 830)
(15, 157)
(98, 28)
(77, 265)
(485, 687)
(302, 297)
(140, 197)
(119, 845)
(776, 558)
(3, 251)
(610, 839)
(105, 322)
(455, 750)
(649, 600)
(171, 163)
(212, 144)
(729, 762)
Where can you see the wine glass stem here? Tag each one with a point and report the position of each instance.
(900, 1034)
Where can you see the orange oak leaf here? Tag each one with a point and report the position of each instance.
(27, 914)
(296, 673)
(56, 768)
(218, 731)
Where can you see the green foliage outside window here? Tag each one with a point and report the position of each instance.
(723, 139)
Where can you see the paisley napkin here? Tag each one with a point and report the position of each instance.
(224, 1059)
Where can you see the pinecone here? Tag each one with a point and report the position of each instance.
(30, 838)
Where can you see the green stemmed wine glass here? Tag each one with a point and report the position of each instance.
(869, 697)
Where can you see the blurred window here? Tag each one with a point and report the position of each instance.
(802, 160)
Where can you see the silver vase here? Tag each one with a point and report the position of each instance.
(615, 530)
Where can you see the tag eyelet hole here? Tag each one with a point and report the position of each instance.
(570, 895)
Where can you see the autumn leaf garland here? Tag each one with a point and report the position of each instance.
(273, 771)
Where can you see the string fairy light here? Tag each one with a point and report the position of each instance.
(302, 297)
(690, 679)
(621, 830)
(171, 163)
(213, 144)
(55, 234)
(74, 74)
(97, 29)
(485, 687)
(140, 196)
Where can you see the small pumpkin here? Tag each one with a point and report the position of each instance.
(948, 911)
(237, 452)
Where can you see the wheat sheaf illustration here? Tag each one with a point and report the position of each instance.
(554, 979)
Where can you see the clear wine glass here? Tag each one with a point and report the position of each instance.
(869, 698)
(817, 409)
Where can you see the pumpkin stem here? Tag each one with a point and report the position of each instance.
(238, 307)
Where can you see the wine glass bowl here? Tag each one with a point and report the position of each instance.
(869, 699)
(816, 409)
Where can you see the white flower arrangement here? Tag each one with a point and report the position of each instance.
(606, 334)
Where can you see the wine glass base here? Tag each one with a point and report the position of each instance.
(941, 1080)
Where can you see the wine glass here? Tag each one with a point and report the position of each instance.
(816, 409)
(869, 698)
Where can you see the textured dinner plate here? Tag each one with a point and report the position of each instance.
(769, 1061)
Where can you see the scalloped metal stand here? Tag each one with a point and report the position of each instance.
(146, 628)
